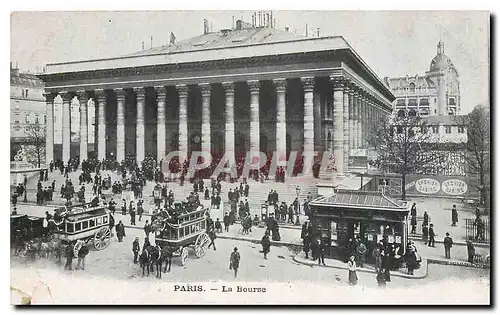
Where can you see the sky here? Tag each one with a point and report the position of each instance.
(392, 43)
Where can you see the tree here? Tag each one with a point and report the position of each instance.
(478, 148)
(35, 138)
(404, 145)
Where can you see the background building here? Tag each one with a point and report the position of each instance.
(435, 93)
(252, 88)
(27, 106)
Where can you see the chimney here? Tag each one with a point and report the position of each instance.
(287, 29)
(318, 31)
(151, 41)
(306, 30)
(233, 23)
(142, 45)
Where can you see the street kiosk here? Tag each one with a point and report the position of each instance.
(348, 214)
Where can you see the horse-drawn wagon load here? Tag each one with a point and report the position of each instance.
(183, 229)
(81, 222)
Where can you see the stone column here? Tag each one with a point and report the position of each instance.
(308, 83)
(338, 123)
(161, 129)
(206, 141)
(101, 124)
(49, 138)
(362, 120)
(66, 126)
(346, 146)
(140, 129)
(351, 119)
(254, 87)
(229, 138)
(280, 119)
(358, 119)
(120, 125)
(182, 91)
(83, 99)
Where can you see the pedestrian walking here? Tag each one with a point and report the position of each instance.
(353, 277)
(226, 222)
(448, 243)
(120, 231)
(454, 216)
(361, 252)
(426, 218)
(470, 250)
(413, 210)
(413, 224)
(432, 235)
(69, 257)
(234, 261)
(212, 236)
(136, 249)
(321, 252)
(218, 226)
(82, 253)
(266, 244)
(147, 228)
(425, 234)
(307, 242)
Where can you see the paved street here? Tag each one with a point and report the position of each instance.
(114, 266)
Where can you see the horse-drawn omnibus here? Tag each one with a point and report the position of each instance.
(187, 229)
(82, 222)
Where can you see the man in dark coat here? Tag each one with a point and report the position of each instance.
(307, 242)
(147, 228)
(448, 243)
(266, 244)
(321, 251)
(82, 253)
(454, 216)
(431, 236)
(136, 249)
(69, 257)
(425, 234)
(226, 222)
(470, 250)
(212, 236)
(413, 224)
(413, 211)
(426, 218)
(234, 261)
(120, 231)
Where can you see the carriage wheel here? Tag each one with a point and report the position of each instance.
(184, 255)
(201, 245)
(102, 238)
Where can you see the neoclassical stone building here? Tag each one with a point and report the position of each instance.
(232, 91)
(435, 93)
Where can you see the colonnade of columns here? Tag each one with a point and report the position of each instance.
(354, 111)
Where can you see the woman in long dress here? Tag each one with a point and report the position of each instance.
(353, 278)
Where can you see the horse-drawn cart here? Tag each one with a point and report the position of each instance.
(188, 229)
(84, 223)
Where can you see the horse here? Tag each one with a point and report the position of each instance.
(144, 261)
(156, 258)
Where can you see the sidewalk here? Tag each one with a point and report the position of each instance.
(334, 263)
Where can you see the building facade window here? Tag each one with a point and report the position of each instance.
(435, 129)
(461, 129)
(447, 129)
(451, 101)
(412, 87)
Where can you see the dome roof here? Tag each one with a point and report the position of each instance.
(439, 62)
